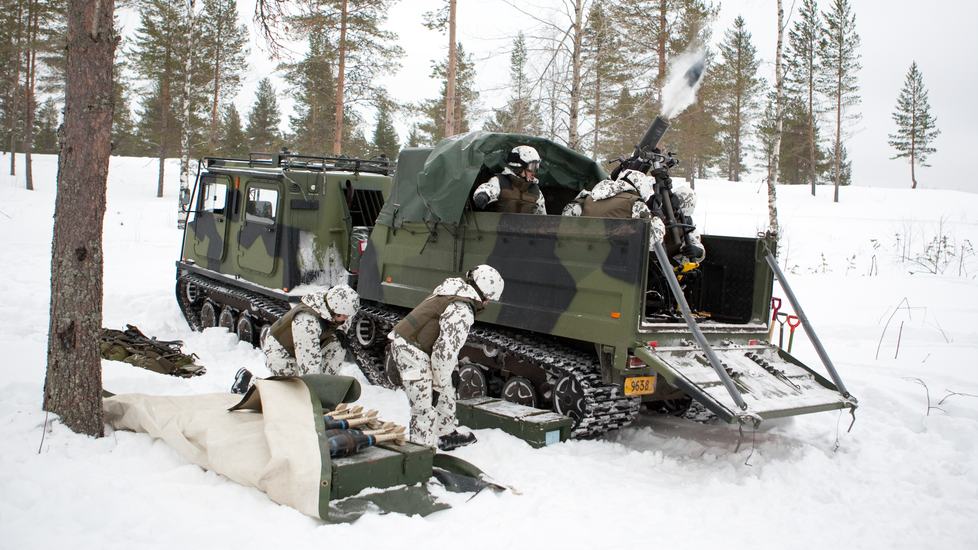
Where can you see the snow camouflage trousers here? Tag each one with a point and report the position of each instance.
(420, 380)
(280, 363)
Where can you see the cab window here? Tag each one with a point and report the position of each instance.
(262, 205)
(215, 197)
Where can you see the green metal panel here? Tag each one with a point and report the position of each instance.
(381, 466)
(537, 427)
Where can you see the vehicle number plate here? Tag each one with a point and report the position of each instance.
(639, 385)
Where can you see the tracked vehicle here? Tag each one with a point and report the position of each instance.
(589, 325)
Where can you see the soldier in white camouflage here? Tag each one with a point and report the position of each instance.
(425, 346)
(627, 197)
(303, 341)
(516, 189)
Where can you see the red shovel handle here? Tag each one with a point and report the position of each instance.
(775, 305)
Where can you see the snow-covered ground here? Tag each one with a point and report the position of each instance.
(904, 477)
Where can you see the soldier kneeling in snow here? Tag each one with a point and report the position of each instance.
(425, 346)
(303, 341)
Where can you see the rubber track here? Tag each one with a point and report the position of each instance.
(606, 408)
(213, 289)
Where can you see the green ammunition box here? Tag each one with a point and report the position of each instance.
(537, 427)
(381, 466)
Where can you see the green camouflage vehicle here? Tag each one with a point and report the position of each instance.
(263, 231)
(589, 325)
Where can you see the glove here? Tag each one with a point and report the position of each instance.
(480, 200)
(693, 252)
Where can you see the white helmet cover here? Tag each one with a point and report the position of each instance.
(524, 157)
(342, 300)
(645, 185)
(486, 281)
(687, 198)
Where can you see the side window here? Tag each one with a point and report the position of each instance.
(215, 197)
(262, 205)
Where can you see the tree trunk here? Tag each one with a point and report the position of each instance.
(811, 134)
(16, 96)
(663, 36)
(185, 123)
(29, 80)
(338, 134)
(164, 125)
(217, 83)
(774, 174)
(73, 385)
(573, 138)
(451, 126)
(838, 137)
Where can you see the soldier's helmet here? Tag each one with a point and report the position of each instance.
(687, 198)
(524, 157)
(343, 300)
(645, 185)
(486, 281)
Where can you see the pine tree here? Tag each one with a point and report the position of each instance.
(520, 115)
(313, 89)
(605, 72)
(156, 57)
(46, 128)
(385, 136)
(123, 128)
(263, 120)
(916, 129)
(841, 62)
(741, 89)
(367, 52)
(657, 31)
(232, 142)
(805, 80)
(223, 46)
(433, 127)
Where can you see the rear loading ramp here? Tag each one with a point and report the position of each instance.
(771, 383)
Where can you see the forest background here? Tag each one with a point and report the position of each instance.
(587, 74)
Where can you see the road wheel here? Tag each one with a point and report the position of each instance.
(569, 397)
(391, 373)
(519, 390)
(227, 319)
(208, 316)
(365, 330)
(472, 382)
(674, 407)
(246, 329)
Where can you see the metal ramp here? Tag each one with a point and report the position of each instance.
(746, 383)
(770, 383)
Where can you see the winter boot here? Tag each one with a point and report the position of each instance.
(455, 440)
(242, 381)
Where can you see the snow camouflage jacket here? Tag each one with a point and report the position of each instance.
(455, 315)
(610, 199)
(305, 329)
(505, 193)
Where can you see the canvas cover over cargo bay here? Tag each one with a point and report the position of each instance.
(574, 331)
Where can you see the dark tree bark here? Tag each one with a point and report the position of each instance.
(73, 386)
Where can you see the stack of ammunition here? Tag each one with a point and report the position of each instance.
(350, 430)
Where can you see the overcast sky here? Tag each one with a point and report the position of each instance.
(893, 33)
